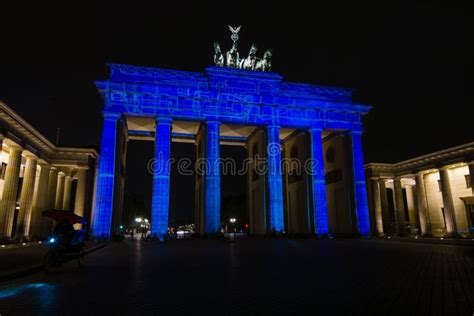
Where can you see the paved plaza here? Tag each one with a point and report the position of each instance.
(254, 276)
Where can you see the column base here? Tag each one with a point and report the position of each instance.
(156, 238)
(21, 239)
(453, 235)
(428, 235)
(298, 236)
(101, 237)
(5, 240)
(211, 236)
(275, 234)
(323, 236)
(402, 235)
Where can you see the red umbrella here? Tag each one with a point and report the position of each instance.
(61, 216)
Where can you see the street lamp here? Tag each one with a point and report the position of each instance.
(232, 220)
(138, 221)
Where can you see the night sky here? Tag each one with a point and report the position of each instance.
(411, 61)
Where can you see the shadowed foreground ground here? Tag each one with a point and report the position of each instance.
(263, 276)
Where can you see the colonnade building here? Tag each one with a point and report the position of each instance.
(36, 175)
(431, 195)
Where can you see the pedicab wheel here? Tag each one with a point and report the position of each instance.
(80, 258)
(49, 264)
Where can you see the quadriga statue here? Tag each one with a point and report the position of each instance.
(266, 63)
(218, 56)
(232, 58)
(251, 60)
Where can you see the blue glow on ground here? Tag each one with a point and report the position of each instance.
(7, 293)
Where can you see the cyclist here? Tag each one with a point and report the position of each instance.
(64, 232)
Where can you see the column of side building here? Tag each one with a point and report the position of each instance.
(431, 195)
(36, 175)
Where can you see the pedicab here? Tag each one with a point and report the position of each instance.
(66, 243)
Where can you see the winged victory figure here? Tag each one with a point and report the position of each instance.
(234, 31)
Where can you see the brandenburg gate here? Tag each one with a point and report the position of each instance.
(211, 108)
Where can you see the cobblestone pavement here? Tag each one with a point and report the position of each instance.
(254, 277)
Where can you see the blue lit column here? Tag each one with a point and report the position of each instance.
(105, 177)
(318, 183)
(362, 209)
(212, 207)
(275, 183)
(161, 179)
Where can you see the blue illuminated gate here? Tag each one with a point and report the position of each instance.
(225, 96)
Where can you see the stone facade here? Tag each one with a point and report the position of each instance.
(36, 175)
(431, 195)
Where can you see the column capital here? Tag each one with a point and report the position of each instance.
(420, 172)
(82, 167)
(43, 163)
(163, 120)
(382, 182)
(356, 131)
(444, 167)
(398, 178)
(213, 122)
(28, 155)
(45, 167)
(13, 147)
(67, 170)
(315, 130)
(111, 115)
(79, 172)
